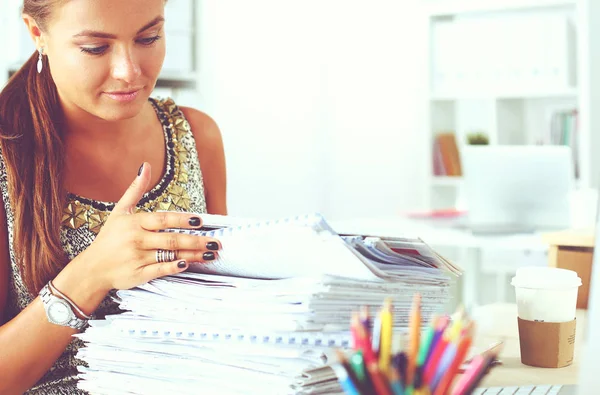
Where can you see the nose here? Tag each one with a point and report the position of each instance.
(124, 66)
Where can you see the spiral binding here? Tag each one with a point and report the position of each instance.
(337, 339)
(315, 221)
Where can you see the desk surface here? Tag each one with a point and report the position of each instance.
(499, 322)
(571, 238)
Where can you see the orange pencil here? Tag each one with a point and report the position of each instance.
(354, 323)
(461, 354)
(415, 334)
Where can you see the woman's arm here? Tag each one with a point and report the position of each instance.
(211, 155)
(29, 344)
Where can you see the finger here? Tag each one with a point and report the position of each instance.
(136, 190)
(156, 270)
(179, 241)
(166, 220)
(187, 255)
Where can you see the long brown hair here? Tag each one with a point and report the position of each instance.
(32, 147)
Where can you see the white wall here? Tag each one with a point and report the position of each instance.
(319, 103)
(375, 80)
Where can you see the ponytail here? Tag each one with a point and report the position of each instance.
(31, 142)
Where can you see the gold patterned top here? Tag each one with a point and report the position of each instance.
(180, 189)
(168, 195)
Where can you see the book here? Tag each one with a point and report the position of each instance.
(446, 157)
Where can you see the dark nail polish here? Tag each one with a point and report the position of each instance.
(181, 264)
(212, 245)
(140, 170)
(208, 256)
(195, 221)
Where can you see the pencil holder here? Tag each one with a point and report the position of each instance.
(428, 365)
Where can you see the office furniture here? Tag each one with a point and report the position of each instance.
(573, 250)
(515, 72)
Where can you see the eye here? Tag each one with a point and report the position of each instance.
(148, 40)
(95, 50)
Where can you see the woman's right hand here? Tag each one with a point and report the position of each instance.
(123, 255)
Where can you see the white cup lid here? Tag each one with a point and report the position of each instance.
(545, 278)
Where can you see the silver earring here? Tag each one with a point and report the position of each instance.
(39, 62)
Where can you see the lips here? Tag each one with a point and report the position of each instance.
(123, 92)
(123, 96)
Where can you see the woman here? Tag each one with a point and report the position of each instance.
(81, 214)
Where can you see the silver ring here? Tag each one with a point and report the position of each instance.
(165, 256)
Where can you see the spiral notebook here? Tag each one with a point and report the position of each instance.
(258, 249)
(135, 328)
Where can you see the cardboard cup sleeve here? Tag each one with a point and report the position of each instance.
(547, 344)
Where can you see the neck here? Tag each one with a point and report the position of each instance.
(81, 125)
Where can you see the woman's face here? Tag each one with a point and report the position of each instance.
(105, 55)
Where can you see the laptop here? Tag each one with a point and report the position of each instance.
(517, 189)
(589, 379)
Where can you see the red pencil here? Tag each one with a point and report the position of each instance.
(433, 362)
(378, 379)
(363, 343)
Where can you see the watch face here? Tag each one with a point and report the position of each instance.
(59, 312)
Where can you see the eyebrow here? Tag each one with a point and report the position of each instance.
(92, 33)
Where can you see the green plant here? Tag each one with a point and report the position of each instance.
(477, 138)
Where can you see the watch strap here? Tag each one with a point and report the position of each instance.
(69, 301)
(47, 297)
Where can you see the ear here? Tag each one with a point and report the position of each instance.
(34, 31)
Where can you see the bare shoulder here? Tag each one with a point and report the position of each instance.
(211, 156)
(206, 132)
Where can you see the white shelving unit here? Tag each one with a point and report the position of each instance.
(180, 68)
(502, 68)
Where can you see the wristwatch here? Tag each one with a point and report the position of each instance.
(59, 311)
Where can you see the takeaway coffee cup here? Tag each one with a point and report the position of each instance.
(546, 306)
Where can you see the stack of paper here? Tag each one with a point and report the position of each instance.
(263, 317)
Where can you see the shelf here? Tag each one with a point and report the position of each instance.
(448, 181)
(447, 8)
(13, 68)
(494, 95)
(453, 181)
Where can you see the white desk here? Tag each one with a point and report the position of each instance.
(470, 247)
(499, 322)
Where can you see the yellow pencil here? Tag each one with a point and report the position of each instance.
(385, 341)
(422, 391)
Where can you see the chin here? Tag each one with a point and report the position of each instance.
(117, 111)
